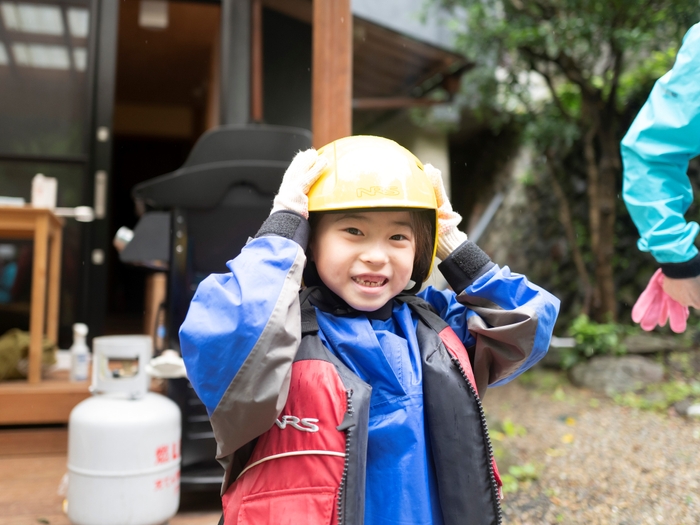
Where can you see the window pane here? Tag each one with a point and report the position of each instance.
(43, 78)
(42, 19)
(79, 22)
(16, 180)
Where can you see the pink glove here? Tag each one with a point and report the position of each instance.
(449, 237)
(654, 306)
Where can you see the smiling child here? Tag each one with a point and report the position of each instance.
(337, 392)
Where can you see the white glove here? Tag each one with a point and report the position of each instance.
(168, 365)
(301, 174)
(449, 237)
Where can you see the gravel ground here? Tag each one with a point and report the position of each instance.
(595, 462)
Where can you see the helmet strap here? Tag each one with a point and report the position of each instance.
(414, 289)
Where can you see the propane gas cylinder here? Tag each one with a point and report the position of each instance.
(123, 442)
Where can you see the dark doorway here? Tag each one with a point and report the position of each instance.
(166, 97)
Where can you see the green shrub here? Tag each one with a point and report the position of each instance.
(661, 396)
(593, 339)
(519, 475)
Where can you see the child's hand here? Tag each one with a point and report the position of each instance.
(301, 174)
(449, 237)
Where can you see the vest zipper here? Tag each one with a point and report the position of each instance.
(487, 439)
(343, 480)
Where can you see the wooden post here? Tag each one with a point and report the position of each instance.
(256, 62)
(37, 316)
(156, 290)
(52, 319)
(331, 114)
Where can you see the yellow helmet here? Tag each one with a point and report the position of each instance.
(372, 172)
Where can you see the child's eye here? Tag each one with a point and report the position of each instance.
(353, 231)
(399, 237)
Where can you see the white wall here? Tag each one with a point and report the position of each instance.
(404, 16)
(430, 146)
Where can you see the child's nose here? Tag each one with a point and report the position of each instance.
(375, 253)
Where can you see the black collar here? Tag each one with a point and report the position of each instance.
(325, 300)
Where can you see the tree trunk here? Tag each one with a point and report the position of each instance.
(568, 223)
(608, 169)
(602, 166)
(593, 178)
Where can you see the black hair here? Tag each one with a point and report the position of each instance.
(424, 228)
(423, 223)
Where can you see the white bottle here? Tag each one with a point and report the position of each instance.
(44, 191)
(79, 354)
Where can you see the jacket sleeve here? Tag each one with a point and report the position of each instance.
(242, 332)
(656, 150)
(507, 319)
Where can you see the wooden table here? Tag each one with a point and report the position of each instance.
(46, 229)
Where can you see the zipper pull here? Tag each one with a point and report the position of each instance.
(349, 417)
(348, 422)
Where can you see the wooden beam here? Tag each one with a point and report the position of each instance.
(213, 108)
(393, 102)
(31, 441)
(24, 403)
(298, 9)
(331, 114)
(154, 121)
(256, 61)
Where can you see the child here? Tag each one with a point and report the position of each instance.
(356, 401)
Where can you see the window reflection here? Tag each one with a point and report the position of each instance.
(42, 56)
(42, 99)
(78, 22)
(80, 58)
(45, 20)
(32, 18)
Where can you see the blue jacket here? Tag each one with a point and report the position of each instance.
(655, 153)
(243, 328)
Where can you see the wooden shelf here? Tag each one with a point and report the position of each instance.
(46, 229)
(50, 401)
(15, 308)
(32, 441)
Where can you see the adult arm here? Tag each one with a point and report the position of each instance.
(655, 153)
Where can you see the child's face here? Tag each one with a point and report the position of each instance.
(365, 257)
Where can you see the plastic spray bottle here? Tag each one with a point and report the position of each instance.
(79, 354)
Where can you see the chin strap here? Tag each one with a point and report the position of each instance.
(413, 290)
(325, 300)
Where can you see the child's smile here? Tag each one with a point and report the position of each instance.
(365, 257)
(370, 281)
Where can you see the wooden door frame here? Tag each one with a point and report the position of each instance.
(331, 98)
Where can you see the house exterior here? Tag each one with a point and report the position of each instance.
(105, 94)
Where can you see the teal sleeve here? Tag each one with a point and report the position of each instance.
(655, 153)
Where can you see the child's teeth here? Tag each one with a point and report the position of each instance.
(369, 283)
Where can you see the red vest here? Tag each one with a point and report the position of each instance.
(309, 468)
